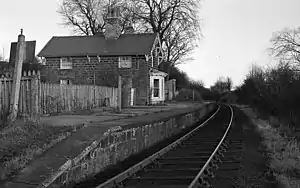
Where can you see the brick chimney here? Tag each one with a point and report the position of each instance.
(113, 23)
(128, 28)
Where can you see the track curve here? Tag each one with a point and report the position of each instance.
(187, 162)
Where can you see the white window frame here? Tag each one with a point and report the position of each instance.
(125, 60)
(65, 63)
(65, 82)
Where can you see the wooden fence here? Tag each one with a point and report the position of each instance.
(28, 100)
(56, 98)
(42, 98)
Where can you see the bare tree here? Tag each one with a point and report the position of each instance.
(286, 45)
(222, 85)
(83, 16)
(176, 21)
(87, 17)
(179, 43)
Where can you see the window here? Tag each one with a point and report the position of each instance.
(136, 65)
(65, 63)
(156, 87)
(65, 82)
(44, 61)
(125, 62)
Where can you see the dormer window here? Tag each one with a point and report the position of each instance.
(65, 63)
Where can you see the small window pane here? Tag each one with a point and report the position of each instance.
(156, 83)
(156, 87)
(156, 92)
(65, 63)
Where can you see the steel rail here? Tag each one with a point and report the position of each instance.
(137, 167)
(194, 183)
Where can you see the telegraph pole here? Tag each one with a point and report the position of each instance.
(14, 100)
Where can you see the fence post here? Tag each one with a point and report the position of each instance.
(35, 99)
(119, 93)
(17, 79)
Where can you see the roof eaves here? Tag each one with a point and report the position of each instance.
(93, 54)
(40, 54)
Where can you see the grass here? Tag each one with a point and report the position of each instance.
(23, 142)
(281, 148)
(255, 170)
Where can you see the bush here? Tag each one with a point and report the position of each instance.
(187, 95)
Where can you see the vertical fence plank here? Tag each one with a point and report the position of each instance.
(1, 101)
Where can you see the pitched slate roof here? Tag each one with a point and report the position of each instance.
(126, 44)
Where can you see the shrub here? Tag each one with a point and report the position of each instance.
(187, 95)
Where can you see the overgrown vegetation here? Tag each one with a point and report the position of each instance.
(21, 143)
(282, 150)
(274, 93)
(255, 170)
(187, 86)
(188, 95)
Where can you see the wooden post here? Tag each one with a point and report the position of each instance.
(193, 95)
(35, 99)
(119, 93)
(14, 100)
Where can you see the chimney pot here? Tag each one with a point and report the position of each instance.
(113, 25)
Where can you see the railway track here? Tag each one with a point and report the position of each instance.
(190, 161)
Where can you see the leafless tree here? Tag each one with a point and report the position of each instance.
(176, 21)
(222, 84)
(179, 43)
(286, 45)
(87, 17)
(83, 16)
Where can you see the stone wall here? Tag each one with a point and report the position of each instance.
(106, 73)
(120, 143)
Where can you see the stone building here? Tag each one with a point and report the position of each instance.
(101, 58)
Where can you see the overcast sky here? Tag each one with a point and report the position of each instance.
(236, 32)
